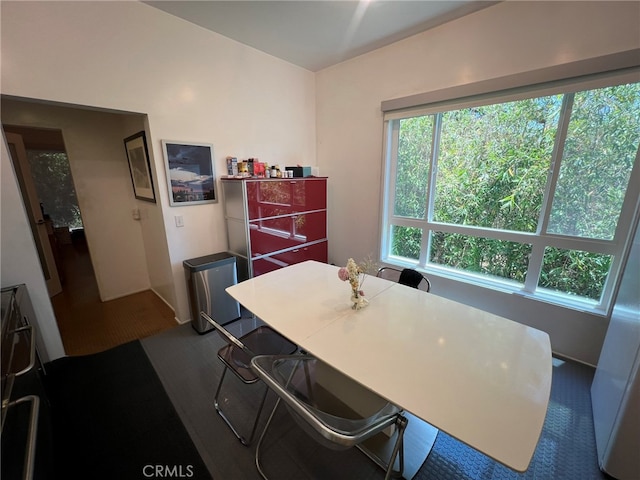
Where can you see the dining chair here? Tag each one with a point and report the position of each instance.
(336, 411)
(236, 356)
(406, 276)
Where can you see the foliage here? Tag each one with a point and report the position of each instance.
(497, 258)
(493, 165)
(575, 272)
(601, 147)
(406, 241)
(55, 188)
(412, 177)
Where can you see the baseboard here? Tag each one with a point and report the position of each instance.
(178, 321)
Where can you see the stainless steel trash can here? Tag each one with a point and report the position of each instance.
(207, 277)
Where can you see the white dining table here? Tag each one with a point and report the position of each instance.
(481, 378)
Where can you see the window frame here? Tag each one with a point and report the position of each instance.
(540, 239)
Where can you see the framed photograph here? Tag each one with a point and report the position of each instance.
(139, 167)
(190, 173)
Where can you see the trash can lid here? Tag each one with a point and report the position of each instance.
(213, 260)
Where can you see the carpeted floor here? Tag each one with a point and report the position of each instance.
(112, 419)
(189, 370)
(566, 449)
(125, 412)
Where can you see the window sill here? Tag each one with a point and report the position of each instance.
(511, 288)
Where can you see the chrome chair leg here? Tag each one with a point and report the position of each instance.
(398, 449)
(266, 427)
(262, 435)
(246, 442)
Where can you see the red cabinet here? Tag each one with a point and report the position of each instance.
(271, 198)
(272, 223)
(314, 251)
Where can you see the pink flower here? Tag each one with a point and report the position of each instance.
(343, 274)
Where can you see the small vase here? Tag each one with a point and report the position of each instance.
(358, 301)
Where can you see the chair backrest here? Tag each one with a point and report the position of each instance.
(225, 334)
(406, 276)
(301, 382)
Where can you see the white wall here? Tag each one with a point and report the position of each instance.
(193, 85)
(198, 86)
(505, 39)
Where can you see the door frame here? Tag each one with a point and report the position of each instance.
(39, 227)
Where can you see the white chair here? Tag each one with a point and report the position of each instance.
(304, 384)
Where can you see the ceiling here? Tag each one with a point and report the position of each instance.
(318, 34)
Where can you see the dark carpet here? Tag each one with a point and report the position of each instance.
(189, 370)
(114, 414)
(566, 449)
(112, 419)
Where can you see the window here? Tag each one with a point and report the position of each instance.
(525, 191)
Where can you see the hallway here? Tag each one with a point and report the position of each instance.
(88, 325)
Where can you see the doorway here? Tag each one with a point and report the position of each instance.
(51, 176)
(46, 182)
(40, 223)
(87, 324)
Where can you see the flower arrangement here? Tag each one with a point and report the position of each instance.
(355, 274)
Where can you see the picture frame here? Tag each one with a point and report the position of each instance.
(191, 177)
(140, 167)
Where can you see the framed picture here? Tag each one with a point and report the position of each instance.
(139, 167)
(190, 173)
